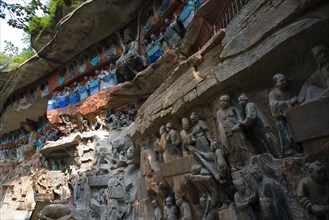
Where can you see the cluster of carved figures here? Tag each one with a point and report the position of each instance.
(109, 121)
(221, 167)
(194, 174)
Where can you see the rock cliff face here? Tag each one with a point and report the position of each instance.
(219, 134)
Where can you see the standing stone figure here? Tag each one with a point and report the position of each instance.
(318, 84)
(157, 210)
(186, 136)
(207, 212)
(170, 210)
(281, 101)
(313, 192)
(173, 141)
(259, 129)
(235, 144)
(245, 200)
(68, 124)
(201, 133)
(185, 208)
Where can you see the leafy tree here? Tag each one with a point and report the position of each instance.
(10, 49)
(18, 15)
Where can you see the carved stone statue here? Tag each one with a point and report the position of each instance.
(259, 130)
(313, 192)
(81, 186)
(157, 210)
(175, 31)
(201, 134)
(170, 210)
(61, 212)
(99, 123)
(68, 124)
(234, 142)
(318, 83)
(130, 61)
(245, 198)
(132, 113)
(184, 207)
(113, 119)
(207, 212)
(173, 141)
(165, 156)
(186, 136)
(281, 101)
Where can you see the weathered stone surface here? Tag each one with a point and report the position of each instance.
(314, 115)
(176, 167)
(98, 181)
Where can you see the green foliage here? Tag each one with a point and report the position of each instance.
(19, 15)
(38, 25)
(12, 62)
(24, 55)
(10, 49)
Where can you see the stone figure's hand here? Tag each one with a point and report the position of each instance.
(236, 127)
(318, 210)
(293, 100)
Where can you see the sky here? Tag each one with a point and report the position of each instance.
(11, 34)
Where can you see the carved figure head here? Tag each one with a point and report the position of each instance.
(280, 80)
(162, 130)
(127, 36)
(167, 21)
(239, 184)
(243, 99)
(321, 55)
(169, 201)
(186, 123)
(203, 200)
(318, 172)
(194, 118)
(168, 127)
(154, 203)
(225, 101)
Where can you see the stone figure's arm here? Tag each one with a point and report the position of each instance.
(251, 115)
(303, 195)
(239, 204)
(176, 139)
(277, 107)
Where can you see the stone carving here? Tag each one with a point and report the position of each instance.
(281, 101)
(130, 62)
(113, 120)
(172, 142)
(157, 210)
(170, 210)
(123, 119)
(204, 182)
(235, 144)
(201, 134)
(132, 113)
(313, 192)
(175, 31)
(318, 83)
(68, 124)
(184, 207)
(245, 199)
(186, 136)
(99, 123)
(259, 130)
(207, 213)
(60, 212)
